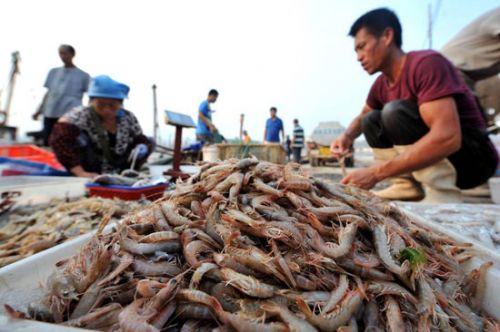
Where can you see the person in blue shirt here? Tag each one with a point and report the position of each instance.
(274, 126)
(205, 129)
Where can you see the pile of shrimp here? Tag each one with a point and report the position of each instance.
(246, 245)
(31, 229)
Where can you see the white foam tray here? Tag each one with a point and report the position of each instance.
(23, 282)
(491, 301)
(41, 189)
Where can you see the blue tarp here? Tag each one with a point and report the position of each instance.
(11, 166)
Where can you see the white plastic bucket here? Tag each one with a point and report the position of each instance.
(210, 153)
(495, 189)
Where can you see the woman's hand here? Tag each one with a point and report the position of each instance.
(80, 172)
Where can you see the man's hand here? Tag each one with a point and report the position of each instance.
(212, 128)
(36, 115)
(363, 178)
(340, 146)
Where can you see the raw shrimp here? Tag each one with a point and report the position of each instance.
(247, 284)
(173, 218)
(337, 294)
(255, 259)
(390, 288)
(199, 272)
(381, 245)
(125, 260)
(346, 238)
(194, 311)
(339, 317)
(393, 314)
(147, 268)
(294, 323)
(265, 188)
(161, 236)
(146, 248)
(227, 296)
(197, 248)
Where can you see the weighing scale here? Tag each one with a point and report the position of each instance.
(179, 121)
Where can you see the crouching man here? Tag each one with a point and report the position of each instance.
(420, 118)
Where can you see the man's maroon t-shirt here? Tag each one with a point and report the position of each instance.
(428, 76)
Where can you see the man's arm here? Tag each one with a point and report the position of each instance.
(265, 133)
(206, 120)
(444, 138)
(47, 85)
(344, 141)
(40, 108)
(354, 129)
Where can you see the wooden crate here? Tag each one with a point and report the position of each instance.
(274, 153)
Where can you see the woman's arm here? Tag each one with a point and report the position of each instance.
(63, 141)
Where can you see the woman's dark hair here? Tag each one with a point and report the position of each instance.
(376, 21)
(69, 48)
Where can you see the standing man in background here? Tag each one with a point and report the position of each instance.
(274, 126)
(297, 141)
(205, 129)
(65, 87)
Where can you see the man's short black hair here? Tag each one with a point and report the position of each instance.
(274, 109)
(376, 21)
(69, 48)
(213, 92)
(296, 121)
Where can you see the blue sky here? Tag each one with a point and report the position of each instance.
(294, 55)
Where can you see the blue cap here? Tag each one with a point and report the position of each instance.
(103, 86)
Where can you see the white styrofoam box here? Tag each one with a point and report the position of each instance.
(23, 325)
(23, 282)
(491, 301)
(41, 189)
(494, 184)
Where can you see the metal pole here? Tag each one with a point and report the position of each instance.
(155, 115)
(242, 120)
(177, 149)
(12, 83)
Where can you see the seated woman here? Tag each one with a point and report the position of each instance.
(101, 137)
